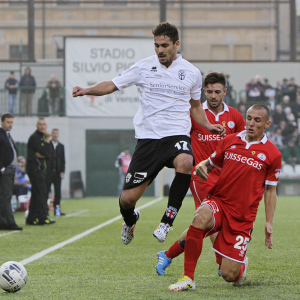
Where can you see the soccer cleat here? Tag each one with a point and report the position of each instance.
(35, 222)
(47, 221)
(127, 233)
(161, 232)
(242, 280)
(184, 284)
(163, 263)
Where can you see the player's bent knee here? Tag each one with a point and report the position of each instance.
(128, 199)
(203, 219)
(229, 275)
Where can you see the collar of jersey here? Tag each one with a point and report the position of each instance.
(205, 107)
(179, 57)
(242, 135)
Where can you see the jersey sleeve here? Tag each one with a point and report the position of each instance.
(216, 159)
(240, 122)
(127, 78)
(196, 89)
(273, 171)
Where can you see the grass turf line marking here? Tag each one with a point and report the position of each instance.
(75, 214)
(79, 236)
(8, 233)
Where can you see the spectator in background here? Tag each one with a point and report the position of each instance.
(293, 89)
(56, 168)
(284, 85)
(21, 181)
(291, 153)
(285, 102)
(242, 108)
(54, 87)
(284, 130)
(258, 83)
(291, 124)
(272, 102)
(277, 139)
(295, 136)
(27, 84)
(296, 108)
(228, 96)
(267, 91)
(278, 115)
(253, 93)
(11, 84)
(278, 88)
(122, 163)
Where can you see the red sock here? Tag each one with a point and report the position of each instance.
(192, 250)
(174, 250)
(242, 268)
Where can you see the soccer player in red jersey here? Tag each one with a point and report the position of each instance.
(250, 165)
(203, 144)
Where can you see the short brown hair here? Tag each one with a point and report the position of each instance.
(6, 115)
(215, 77)
(166, 29)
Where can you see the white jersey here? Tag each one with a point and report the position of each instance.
(164, 95)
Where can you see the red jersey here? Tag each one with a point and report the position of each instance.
(205, 143)
(246, 169)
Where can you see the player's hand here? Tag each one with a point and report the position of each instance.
(39, 155)
(269, 234)
(78, 91)
(217, 129)
(201, 171)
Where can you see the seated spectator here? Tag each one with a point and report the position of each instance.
(285, 102)
(293, 90)
(272, 102)
(278, 139)
(267, 91)
(291, 153)
(258, 83)
(296, 108)
(291, 124)
(285, 131)
(279, 115)
(284, 85)
(21, 180)
(253, 93)
(295, 136)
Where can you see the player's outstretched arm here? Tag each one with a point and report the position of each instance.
(99, 89)
(270, 205)
(199, 116)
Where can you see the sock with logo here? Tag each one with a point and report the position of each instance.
(192, 250)
(178, 190)
(128, 215)
(175, 250)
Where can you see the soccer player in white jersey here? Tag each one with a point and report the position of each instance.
(170, 90)
(203, 144)
(250, 166)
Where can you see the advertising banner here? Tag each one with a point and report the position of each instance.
(89, 60)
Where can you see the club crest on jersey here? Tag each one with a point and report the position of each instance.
(181, 74)
(231, 124)
(154, 69)
(261, 156)
(224, 123)
(253, 152)
(171, 212)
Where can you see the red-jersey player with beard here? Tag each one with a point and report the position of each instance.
(203, 144)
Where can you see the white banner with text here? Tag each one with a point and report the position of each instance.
(89, 60)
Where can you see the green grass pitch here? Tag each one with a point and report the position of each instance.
(99, 266)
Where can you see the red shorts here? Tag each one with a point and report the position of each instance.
(234, 235)
(199, 190)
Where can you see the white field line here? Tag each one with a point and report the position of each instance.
(11, 232)
(75, 214)
(81, 235)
